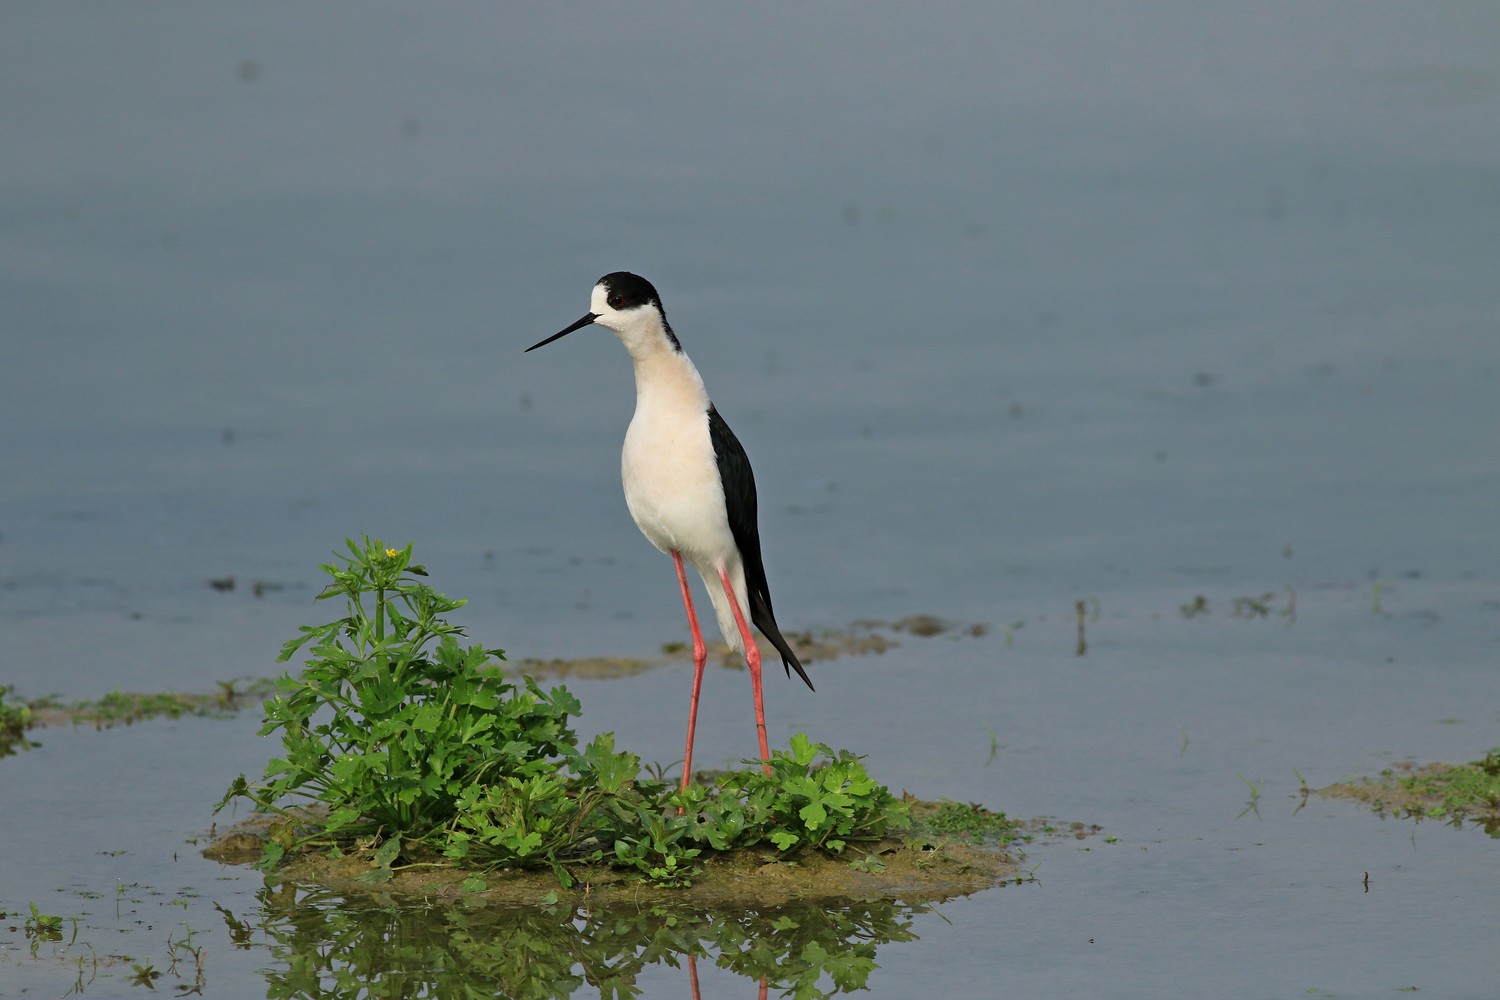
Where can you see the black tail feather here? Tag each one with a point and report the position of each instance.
(760, 614)
(740, 506)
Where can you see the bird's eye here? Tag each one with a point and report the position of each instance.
(616, 301)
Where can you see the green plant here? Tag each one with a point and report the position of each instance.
(801, 805)
(1254, 804)
(406, 743)
(562, 813)
(971, 823)
(15, 719)
(1456, 792)
(661, 844)
(392, 726)
(42, 926)
(145, 975)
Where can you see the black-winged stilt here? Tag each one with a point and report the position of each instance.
(689, 486)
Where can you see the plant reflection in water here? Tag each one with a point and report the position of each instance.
(324, 944)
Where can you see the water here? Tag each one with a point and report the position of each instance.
(1012, 308)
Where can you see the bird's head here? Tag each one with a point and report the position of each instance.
(628, 305)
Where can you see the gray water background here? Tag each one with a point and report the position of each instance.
(1013, 306)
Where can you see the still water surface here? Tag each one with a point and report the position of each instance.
(1012, 307)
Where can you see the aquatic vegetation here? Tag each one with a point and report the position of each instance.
(970, 822)
(1454, 793)
(43, 926)
(15, 719)
(1248, 606)
(1252, 805)
(125, 708)
(403, 743)
(92, 967)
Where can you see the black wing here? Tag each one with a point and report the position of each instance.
(739, 498)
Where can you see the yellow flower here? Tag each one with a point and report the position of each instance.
(390, 553)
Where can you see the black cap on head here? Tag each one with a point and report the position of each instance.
(626, 290)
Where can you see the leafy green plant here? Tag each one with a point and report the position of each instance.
(393, 726)
(42, 926)
(145, 975)
(401, 741)
(800, 804)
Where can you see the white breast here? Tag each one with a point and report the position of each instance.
(670, 474)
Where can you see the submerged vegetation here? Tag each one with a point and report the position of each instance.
(1454, 793)
(403, 746)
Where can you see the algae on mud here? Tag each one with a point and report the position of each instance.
(1454, 793)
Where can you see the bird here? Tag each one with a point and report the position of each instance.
(689, 487)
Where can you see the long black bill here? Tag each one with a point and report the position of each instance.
(587, 319)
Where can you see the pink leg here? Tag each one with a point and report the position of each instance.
(752, 660)
(693, 976)
(700, 657)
